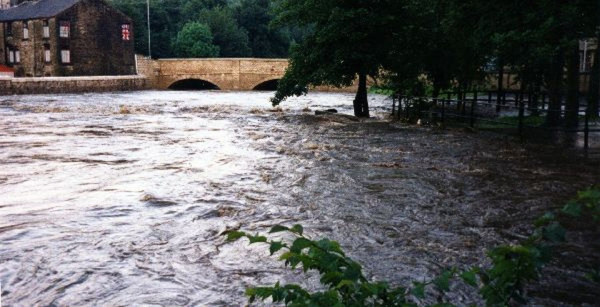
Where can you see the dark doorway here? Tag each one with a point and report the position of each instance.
(193, 85)
(270, 85)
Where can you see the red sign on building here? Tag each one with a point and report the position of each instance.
(125, 34)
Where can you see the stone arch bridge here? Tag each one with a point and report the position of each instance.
(213, 73)
(243, 74)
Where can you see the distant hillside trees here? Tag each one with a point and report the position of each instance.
(240, 28)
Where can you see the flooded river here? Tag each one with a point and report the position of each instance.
(118, 199)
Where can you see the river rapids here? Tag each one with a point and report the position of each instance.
(120, 199)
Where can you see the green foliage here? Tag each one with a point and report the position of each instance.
(231, 39)
(240, 28)
(343, 277)
(587, 201)
(190, 8)
(265, 41)
(195, 40)
(382, 90)
(502, 284)
(347, 40)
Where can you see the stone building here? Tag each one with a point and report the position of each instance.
(66, 38)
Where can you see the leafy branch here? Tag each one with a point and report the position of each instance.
(502, 284)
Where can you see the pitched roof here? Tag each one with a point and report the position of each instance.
(38, 9)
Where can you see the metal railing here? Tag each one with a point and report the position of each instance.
(492, 108)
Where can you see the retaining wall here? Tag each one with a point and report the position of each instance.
(49, 85)
(150, 69)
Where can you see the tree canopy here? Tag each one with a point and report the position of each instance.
(347, 39)
(444, 43)
(195, 40)
(232, 40)
(240, 28)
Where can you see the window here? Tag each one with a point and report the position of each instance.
(25, 30)
(14, 56)
(47, 56)
(8, 28)
(11, 55)
(65, 29)
(125, 32)
(46, 29)
(65, 56)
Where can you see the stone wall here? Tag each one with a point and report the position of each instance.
(227, 74)
(96, 44)
(148, 68)
(50, 85)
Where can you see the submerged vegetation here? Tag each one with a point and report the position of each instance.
(502, 283)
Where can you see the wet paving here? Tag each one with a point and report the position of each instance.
(119, 199)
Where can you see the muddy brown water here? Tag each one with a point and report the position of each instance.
(118, 199)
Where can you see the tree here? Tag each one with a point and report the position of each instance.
(190, 8)
(231, 39)
(594, 86)
(348, 39)
(195, 40)
(538, 39)
(266, 42)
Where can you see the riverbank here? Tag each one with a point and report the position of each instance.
(53, 85)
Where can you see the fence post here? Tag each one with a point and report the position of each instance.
(498, 101)
(521, 115)
(586, 131)
(393, 105)
(407, 107)
(473, 103)
(399, 113)
(443, 110)
(543, 101)
(433, 111)
(418, 109)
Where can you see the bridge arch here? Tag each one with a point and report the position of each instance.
(193, 84)
(268, 85)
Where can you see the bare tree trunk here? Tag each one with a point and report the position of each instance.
(361, 103)
(572, 103)
(555, 83)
